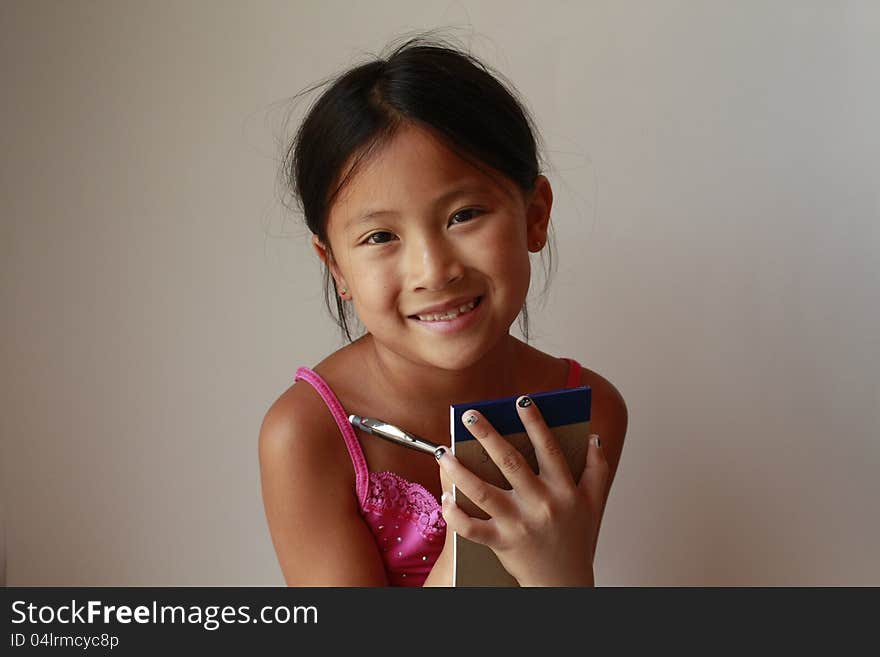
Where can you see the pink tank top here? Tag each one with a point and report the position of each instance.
(403, 516)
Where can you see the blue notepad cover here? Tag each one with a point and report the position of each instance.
(558, 407)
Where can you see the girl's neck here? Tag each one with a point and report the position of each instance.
(494, 375)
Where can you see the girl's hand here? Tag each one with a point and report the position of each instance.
(544, 531)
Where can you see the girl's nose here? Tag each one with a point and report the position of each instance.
(434, 263)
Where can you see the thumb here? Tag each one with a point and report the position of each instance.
(595, 475)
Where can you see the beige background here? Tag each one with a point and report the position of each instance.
(717, 208)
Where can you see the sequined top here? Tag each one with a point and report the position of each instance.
(403, 516)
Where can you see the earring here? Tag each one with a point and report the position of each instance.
(343, 291)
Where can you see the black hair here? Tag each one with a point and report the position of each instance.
(424, 82)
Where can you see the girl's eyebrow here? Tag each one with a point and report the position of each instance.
(468, 188)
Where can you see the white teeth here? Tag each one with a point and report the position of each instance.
(451, 314)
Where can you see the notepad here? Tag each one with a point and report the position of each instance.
(566, 412)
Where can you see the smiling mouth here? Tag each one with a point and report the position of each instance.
(448, 315)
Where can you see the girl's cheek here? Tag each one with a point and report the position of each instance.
(383, 286)
(507, 249)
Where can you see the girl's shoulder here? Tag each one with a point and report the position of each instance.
(607, 393)
(304, 412)
(550, 370)
(542, 371)
(333, 372)
(300, 425)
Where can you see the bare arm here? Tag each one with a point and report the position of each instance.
(307, 478)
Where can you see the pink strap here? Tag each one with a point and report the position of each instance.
(361, 473)
(574, 373)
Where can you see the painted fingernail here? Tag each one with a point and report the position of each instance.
(470, 419)
(523, 402)
(440, 451)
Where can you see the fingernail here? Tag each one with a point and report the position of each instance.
(440, 451)
(595, 440)
(469, 419)
(444, 497)
(523, 402)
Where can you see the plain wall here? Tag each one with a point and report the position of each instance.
(715, 168)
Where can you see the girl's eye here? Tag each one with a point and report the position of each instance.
(465, 213)
(383, 236)
(370, 237)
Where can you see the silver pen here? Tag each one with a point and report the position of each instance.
(396, 435)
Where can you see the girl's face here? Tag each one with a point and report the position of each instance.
(418, 227)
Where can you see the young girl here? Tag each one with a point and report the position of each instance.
(418, 177)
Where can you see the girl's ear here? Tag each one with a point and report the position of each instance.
(327, 258)
(538, 214)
